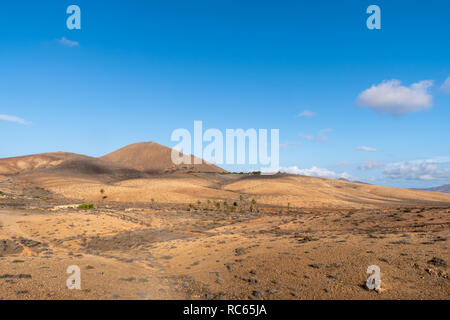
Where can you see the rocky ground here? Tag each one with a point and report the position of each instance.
(163, 251)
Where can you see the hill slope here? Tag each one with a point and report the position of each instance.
(277, 190)
(141, 171)
(61, 166)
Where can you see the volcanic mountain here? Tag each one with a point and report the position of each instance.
(151, 157)
(444, 188)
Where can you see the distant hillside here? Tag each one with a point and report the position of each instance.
(22, 164)
(151, 157)
(444, 188)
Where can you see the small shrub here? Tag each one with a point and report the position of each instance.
(235, 204)
(86, 206)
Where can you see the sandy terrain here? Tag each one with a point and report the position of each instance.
(192, 235)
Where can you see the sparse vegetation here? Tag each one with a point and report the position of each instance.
(242, 173)
(102, 191)
(86, 206)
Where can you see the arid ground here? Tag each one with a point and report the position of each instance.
(158, 231)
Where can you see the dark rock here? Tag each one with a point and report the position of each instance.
(438, 262)
(258, 293)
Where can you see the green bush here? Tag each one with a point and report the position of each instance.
(86, 206)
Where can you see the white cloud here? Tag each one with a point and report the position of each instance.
(367, 149)
(393, 98)
(370, 165)
(12, 119)
(306, 113)
(319, 137)
(428, 169)
(69, 43)
(315, 172)
(446, 85)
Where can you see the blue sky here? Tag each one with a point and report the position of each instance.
(137, 70)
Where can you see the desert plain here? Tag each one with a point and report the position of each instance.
(139, 227)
